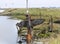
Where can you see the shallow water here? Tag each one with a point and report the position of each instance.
(8, 31)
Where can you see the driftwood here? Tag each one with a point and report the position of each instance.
(34, 22)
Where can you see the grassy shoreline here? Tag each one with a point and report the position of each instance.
(45, 13)
(37, 13)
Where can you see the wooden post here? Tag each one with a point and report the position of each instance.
(51, 24)
(40, 16)
(29, 34)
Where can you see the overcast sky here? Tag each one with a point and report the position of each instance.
(32, 3)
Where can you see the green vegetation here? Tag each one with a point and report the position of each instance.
(20, 12)
(36, 13)
(40, 31)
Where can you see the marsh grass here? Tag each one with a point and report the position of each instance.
(37, 13)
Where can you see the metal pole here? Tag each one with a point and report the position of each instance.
(29, 34)
(27, 6)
